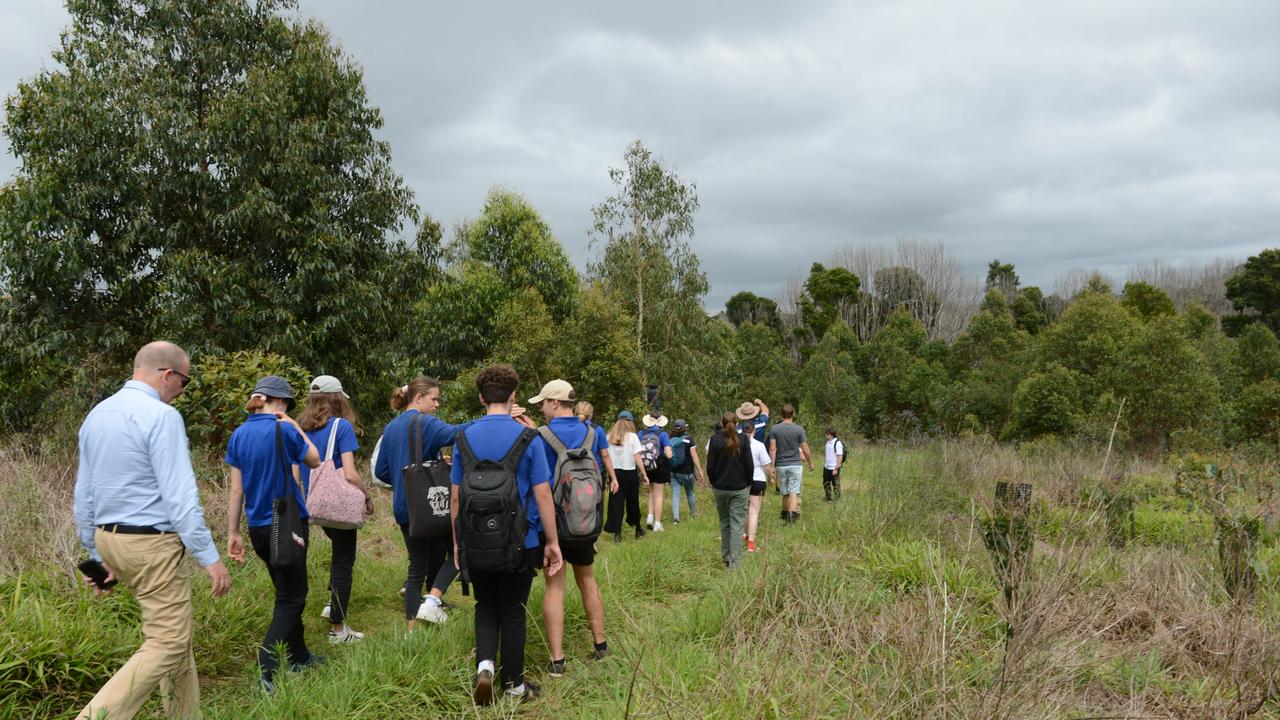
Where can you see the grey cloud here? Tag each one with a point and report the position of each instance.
(1051, 135)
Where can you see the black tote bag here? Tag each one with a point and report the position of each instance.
(426, 490)
(287, 544)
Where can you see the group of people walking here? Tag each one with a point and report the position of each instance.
(518, 498)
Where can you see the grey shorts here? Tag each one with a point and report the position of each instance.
(789, 479)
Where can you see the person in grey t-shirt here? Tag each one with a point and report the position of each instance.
(788, 446)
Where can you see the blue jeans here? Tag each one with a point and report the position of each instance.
(682, 482)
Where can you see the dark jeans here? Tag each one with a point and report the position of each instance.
(830, 482)
(344, 559)
(428, 558)
(628, 493)
(500, 617)
(291, 599)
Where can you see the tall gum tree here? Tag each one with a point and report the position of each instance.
(643, 230)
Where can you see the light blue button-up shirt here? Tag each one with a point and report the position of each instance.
(135, 469)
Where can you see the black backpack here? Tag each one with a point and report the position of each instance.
(579, 491)
(426, 490)
(491, 517)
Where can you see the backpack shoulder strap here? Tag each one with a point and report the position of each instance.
(587, 438)
(333, 437)
(549, 437)
(464, 449)
(512, 459)
(415, 440)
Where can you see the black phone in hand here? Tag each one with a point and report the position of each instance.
(94, 570)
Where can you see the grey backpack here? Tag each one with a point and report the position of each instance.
(578, 491)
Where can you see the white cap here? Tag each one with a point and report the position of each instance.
(327, 384)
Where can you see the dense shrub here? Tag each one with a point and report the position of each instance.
(213, 404)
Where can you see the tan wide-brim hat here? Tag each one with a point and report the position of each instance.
(747, 411)
(651, 421)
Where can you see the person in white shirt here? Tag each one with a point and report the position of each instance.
(831, 469)
(759, 482)
(624, 451)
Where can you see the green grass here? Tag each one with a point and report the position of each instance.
(881, 605)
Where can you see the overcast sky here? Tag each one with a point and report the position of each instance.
(1052, 135)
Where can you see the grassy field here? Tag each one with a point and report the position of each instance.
(884, 604)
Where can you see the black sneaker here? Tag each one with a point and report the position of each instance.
(639, 532)
(617, 537)
(312, 661)
(555, 668)
(676, 520)
(483, 694)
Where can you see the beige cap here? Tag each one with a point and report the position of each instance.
(554, 390)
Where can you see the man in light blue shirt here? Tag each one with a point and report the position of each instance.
(137, 511)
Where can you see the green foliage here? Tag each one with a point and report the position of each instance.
(991, 358)
(205, 172)
(761, 366)
(1146, 301)
(1048, 402)
(1030, 310)
(903, 385)
(454, 325)
(1167, 382)
(1001, 277)
(746, 306)
(1255, 293)
(213, 404)
(832, 385)
(513, 239)
(644, 230)
(826, 292)
(1257, 354)
(1161, 521)
(1090, 337)
(1257, 411)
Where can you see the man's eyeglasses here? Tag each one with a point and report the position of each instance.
(186, 379)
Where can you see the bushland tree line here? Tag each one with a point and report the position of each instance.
(208, 172)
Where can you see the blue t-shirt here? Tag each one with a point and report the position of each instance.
(252, 448)
(346, 442)
(602, 444)
(394, 454)
(664, 440)
(570, 431)
(762, 422)
(491, 438)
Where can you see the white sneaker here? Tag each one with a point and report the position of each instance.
(326, 611)
(401, 591)
(649, 522)
(345, 635)
(432, 613)
(657, 527)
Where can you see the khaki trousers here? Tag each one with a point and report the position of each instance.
(154, 567)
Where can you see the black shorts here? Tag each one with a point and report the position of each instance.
(661, 476)
(580, 555)
(757, 488)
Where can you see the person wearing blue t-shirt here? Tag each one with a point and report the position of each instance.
(428, 557)
(761, 422)
(328, 412)
(556, 403)
(660, 476)
(501, 598)
(585, 412)
(258, 477)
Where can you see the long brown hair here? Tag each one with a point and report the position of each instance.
(402, 396)
(729, 422)
(323, 407)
